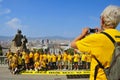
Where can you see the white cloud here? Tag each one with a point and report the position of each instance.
(14, 23)
(4, 11)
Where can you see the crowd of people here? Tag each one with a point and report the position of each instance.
(43, 61)
(96, 49)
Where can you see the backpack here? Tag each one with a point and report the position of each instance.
(113, 71)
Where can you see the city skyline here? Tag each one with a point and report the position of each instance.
(40, 18)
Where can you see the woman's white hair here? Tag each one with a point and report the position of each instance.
(111, 16)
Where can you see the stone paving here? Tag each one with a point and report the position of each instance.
(6, 75)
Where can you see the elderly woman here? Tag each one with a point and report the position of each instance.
(98, 44)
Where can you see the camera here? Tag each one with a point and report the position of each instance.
(92, 30)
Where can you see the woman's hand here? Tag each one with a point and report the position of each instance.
(85, 31)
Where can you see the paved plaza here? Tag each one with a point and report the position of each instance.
(6, 75)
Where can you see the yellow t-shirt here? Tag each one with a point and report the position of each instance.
(88, 58)
(44, 57)
(59, 57)
(19, 60)
(76, 57)
(13, 65)
(70, 58)
(8, 53)
(14, 60)
(27, 58)
(64, 56)
(41, 57)
(43, 64)
(36, 56)
(36, 64)
(31, 55)
(49, 57)
(100, 46)
(23, 55)
(54, 58)
(10, 56)
(84, 57)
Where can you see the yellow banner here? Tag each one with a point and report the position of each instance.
(82, 72)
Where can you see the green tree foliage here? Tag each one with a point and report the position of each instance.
(70, 51)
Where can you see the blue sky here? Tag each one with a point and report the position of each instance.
(38, 18)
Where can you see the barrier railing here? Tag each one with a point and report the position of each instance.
(3, 60)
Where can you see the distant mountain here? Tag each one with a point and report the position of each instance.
(6, 38)
(57, 37)
(33, 38)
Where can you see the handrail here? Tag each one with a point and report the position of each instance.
(3, 60)
(3, 56)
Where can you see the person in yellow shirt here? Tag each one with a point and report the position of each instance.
(20, 62)
(31, 57)
(40, 57)
(76, 60)
(27, 61)
(14, 64)
(98, 44)
(65, 57)
(84, 59)
(59, 61)
(37, 65)
(36, 56)
(49, 60)
(88, 60)
(70, 61)
(54, 59)
(8, 54)
(23, 56)
(43, 65)
(10, 60)
(44, 56)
